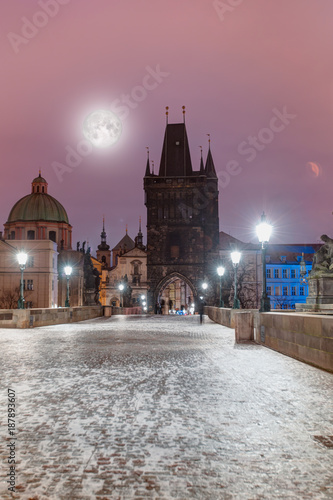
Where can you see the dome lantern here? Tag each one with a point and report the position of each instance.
(39, 185)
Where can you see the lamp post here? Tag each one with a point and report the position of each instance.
(235, 257)
(22, 260)
(220, 272)
(68, 272)
(121, 288)
(144, 302)
(264, 231)
(303, 270)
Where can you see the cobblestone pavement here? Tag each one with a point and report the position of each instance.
(161, 407)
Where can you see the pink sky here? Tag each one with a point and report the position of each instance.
(230, 70)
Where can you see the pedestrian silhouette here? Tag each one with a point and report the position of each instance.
(202, 304)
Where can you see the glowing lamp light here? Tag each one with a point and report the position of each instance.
(121, 287)
(204, 286)
(235, 257)
(22, 258)
(68, 270)
(264, 230)
(220, 270)
(143, 297)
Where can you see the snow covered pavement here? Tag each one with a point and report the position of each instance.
(161, 407)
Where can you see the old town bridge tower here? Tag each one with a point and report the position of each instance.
(182, 224)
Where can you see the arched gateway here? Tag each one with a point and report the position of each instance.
(175, 292)
(182, 222)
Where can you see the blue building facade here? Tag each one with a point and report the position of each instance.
(285, 284)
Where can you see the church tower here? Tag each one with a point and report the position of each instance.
(182, 223)
(103, 253)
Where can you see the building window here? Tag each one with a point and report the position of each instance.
(285, 290)
(268, 273)
(52, 236)
(293, 273)
(284, 306)
(12, 235)
(28, 305)
(269, 290)
(301, 290)
(284, 273)
(293, 290)
(30, 262)
(30, 284)
(31, 235)
(277, 290)
(276, 273)
(52, 286)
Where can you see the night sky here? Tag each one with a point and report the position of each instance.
(235, 65)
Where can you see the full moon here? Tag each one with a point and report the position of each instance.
(102, 128)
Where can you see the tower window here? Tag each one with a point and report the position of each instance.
(12, 235)
(31, 235)
(52, 236)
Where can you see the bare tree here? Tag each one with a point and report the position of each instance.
(247, 286)
(9, 298)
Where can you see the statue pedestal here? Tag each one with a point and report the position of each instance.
(320, 297)
(89, 297)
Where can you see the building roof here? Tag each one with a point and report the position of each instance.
(176, 158)
(228, 242)
(290, 252)
(38, 206)
(210, 167)
(125, 243)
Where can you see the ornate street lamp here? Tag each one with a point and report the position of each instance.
(264, 231)
(220, 272)
(22, 258)
(121, 288)
(303, 270)
(68, 272)
(235, 257)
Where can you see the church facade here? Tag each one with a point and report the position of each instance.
(182, 225)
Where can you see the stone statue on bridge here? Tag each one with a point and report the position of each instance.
(323, 258)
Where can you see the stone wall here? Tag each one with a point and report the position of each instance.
(28, 318)
(303, 336)
(307, 337)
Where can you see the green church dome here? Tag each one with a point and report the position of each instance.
(38, 206)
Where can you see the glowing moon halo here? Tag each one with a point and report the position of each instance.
(102, 128)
